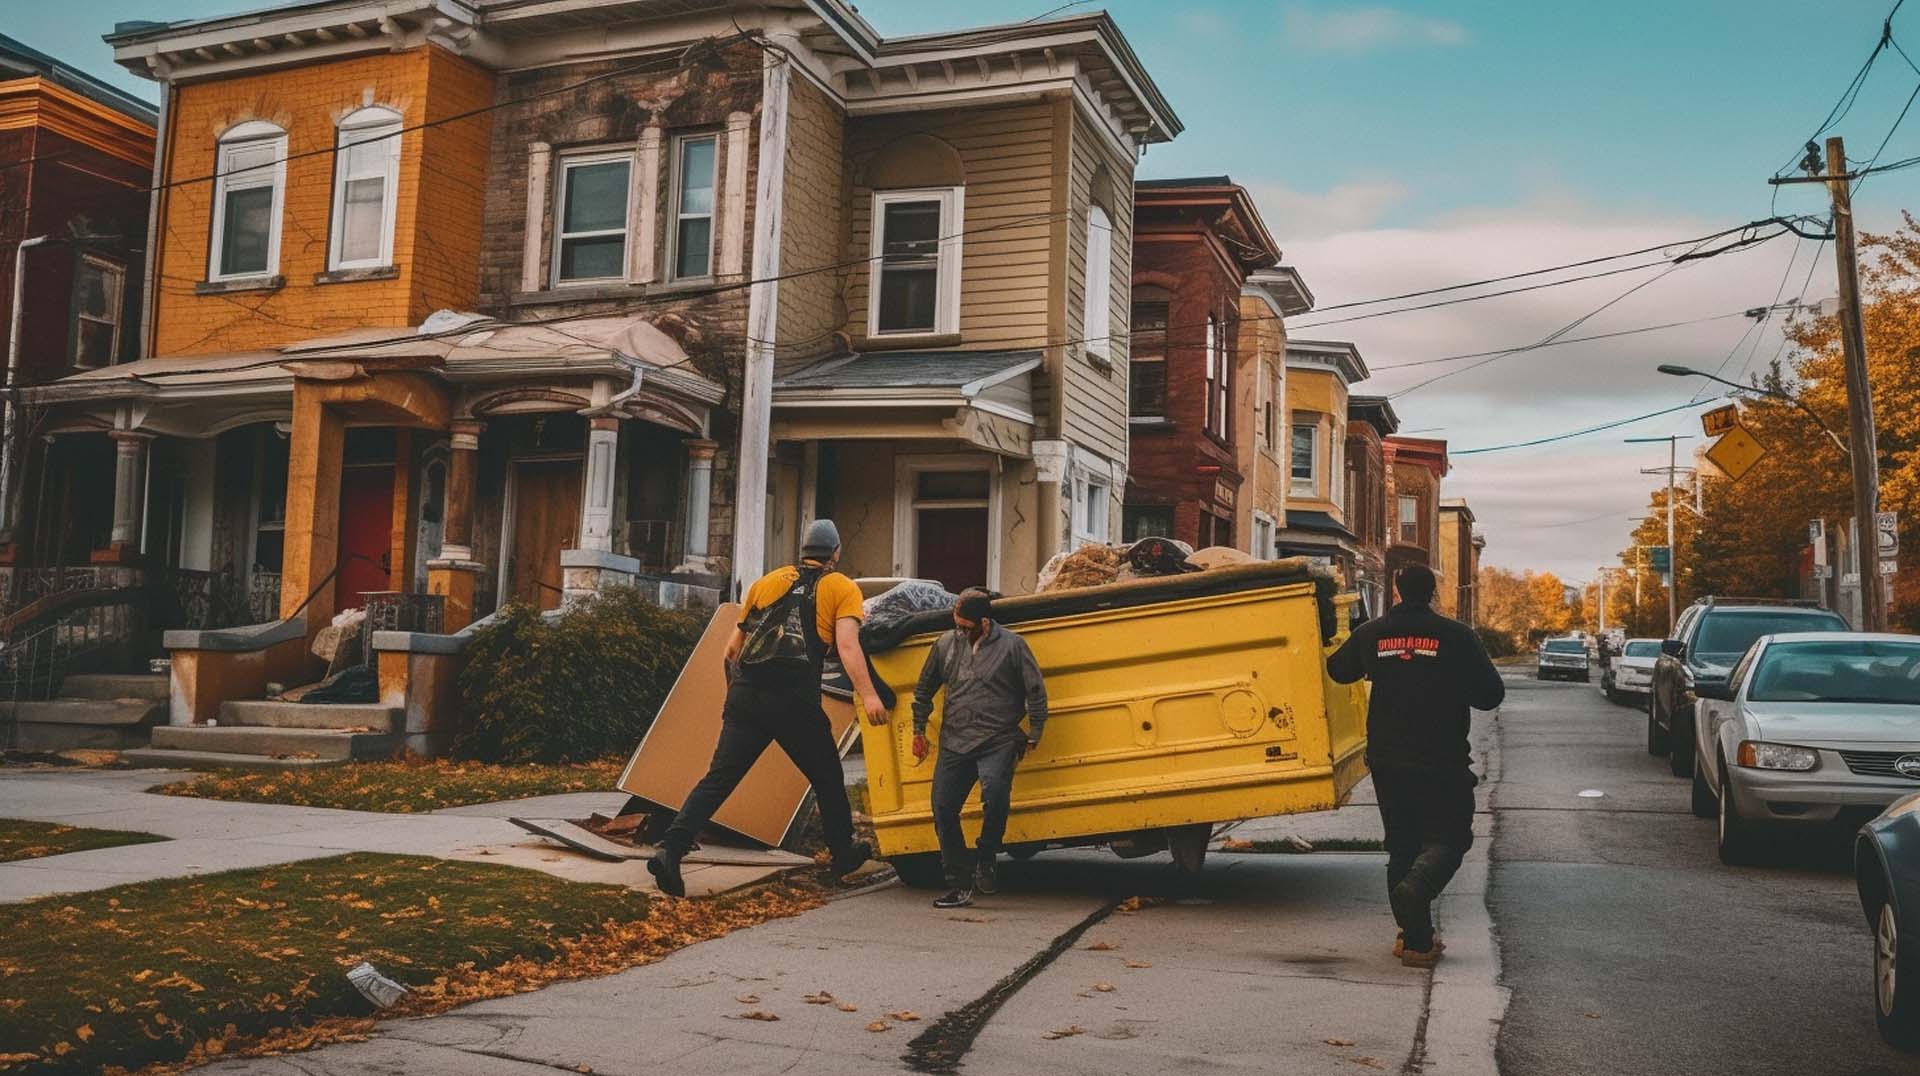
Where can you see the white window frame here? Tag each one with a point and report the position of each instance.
(1092, 509)
(907, 505)
(1402, 519)
(566, 163)
(947, 265)
(369, 124)
(677, 168)
(1310, 485)
(1097, 287)
(116, 305)
(251, 134)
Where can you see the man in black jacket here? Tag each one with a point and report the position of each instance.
(1428, 673)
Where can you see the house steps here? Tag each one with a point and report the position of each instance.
(67, 723)
(266, 735)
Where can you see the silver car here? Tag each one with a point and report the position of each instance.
(1630, 676)
(1810, 727)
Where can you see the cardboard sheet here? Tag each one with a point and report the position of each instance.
(673, 756)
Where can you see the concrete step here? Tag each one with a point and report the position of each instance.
(300, 715)
(174, 759)
(114, 686)
(275, 742)
(63, 724)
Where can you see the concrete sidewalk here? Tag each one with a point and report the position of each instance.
(214, 835)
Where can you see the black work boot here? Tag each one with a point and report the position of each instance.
(665, 868)
(850, 859)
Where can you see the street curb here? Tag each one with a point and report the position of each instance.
(1466, 1003)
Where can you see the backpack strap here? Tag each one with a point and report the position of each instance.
(806, 591)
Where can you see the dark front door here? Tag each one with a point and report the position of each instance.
(950, 546)
(546, 519)
(366, 533)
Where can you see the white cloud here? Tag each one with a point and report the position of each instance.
(1347, 207)
(1204, 22)
(1534, 504)
(1364, 27)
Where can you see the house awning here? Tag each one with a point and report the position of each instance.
(461, 348)
(1319, 524)
(983, 398)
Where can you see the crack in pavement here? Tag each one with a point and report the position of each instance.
(938, 1050)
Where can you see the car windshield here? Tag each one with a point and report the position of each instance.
(1566, 646)
(1849, 670)
(1729, 631)
(1642, 648)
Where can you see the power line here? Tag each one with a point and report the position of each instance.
(1559, 342)
(1582, 432)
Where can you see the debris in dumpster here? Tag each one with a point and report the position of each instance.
(1151, 557)
(375, 987)
(1088, 566)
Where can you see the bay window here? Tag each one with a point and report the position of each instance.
(366, 178)
(249, 184)
(916, 262)
(1303, 464)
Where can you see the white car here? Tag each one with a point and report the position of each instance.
(1629, 676)
(1810, 728)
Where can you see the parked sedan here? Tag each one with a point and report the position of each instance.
(1886, 867)
(1810, 727)
(1629, 676)
(1563, 659)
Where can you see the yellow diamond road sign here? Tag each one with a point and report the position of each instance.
(1736, 452)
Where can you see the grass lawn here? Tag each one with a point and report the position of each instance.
(188, 969)
(403, 786)
(32, 840)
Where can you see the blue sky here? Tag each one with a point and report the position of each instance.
(1394, 147)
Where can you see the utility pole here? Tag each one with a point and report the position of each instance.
(1860, 433)
(1673, 555)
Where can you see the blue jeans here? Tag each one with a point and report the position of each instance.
(954, 775)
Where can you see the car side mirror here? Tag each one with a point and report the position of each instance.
(1720, 692)
(1673, 648)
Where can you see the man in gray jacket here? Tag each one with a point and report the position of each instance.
(991, 681)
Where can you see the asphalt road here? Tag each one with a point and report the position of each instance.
(1628, 948)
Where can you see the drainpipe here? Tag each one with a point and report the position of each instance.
(9, 437)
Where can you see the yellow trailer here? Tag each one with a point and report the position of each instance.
(1176, 704)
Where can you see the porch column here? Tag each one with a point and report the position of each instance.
(129, 473)
(596, 507)
(454, 572)
(699, 505)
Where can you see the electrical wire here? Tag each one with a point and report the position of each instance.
(1583, 431)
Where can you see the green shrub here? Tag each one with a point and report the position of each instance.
(580, 686)
(1498, 643)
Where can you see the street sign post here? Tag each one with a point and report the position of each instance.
(1660, 558)
(1886, 533)
(1720, 420)
(1736, 452)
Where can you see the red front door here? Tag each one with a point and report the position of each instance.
(366, 533)
(951, 547)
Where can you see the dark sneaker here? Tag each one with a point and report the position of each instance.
(855, 857)
(1422, 958)
(958, 898)
(986, 880)
(666, 874)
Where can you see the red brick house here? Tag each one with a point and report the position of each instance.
(1196, 243)
(1415, 466)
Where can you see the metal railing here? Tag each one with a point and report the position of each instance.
(84, 631)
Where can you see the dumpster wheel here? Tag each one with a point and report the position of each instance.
(1189, 846)
(920, 870)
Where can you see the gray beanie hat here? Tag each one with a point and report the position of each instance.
(822, 539)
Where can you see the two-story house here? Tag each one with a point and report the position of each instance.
(76, 161)
(1201, 366)
(493, 301)
(1415, 466)
(1459, 557)
(1370, 420)
(1319, 377)
(1269, 297)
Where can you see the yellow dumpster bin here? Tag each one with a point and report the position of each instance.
(1175, 704)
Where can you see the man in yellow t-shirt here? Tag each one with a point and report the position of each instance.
(773, 696)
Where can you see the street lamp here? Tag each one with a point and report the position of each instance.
(1677, 370)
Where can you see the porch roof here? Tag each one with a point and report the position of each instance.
(950, 373)
(983, 398)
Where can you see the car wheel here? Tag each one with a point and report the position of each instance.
(1895, 1010)
(1704, 801)
(1737, 838)
(1656, 740)
(1680, 746)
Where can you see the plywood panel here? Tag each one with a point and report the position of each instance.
(673, 756)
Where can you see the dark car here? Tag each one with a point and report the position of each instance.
(1886, 867)
(1705, 643)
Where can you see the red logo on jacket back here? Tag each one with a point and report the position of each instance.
(1407, 647)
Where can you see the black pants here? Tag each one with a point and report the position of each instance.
(753, 718)
(1428, 817)
(954, 775)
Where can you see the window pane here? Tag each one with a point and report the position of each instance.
(92, 300)
(251, 164)
(1302, 461)
(367, 157)
(951, 486)
(1147, 385)
(596, 198)
(96, 343)
(243, 238)
(912, 230)
(696, 176)
(1139, 522)
(908, 298)
(593, 259)
(361, 218)
(693, 247)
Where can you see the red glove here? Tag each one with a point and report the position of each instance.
(920, 747)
